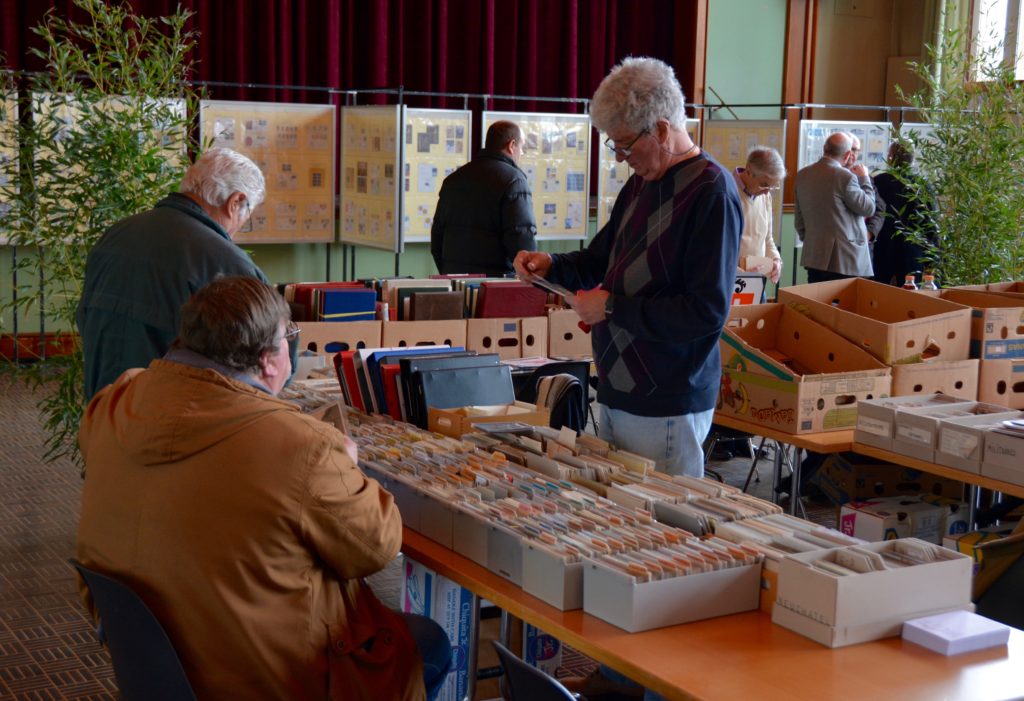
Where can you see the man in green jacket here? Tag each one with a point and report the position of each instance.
(146, 266)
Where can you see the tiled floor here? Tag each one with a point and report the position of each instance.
(47, 647)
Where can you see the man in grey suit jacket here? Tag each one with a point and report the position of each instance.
(832, 198)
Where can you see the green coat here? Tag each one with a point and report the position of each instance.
(136, 279)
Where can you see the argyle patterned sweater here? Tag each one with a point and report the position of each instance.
(668, 257)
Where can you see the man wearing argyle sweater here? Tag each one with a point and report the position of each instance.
(656, 282)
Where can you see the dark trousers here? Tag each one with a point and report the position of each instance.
(815, 275)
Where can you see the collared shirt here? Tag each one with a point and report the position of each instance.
(184, 356)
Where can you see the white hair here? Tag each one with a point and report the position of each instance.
(220, 172)
(765, 161)
(636, 94)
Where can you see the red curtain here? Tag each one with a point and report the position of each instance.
(549, 48)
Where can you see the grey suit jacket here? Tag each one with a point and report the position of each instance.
(831, 203)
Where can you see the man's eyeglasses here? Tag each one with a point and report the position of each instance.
(291, 331)
(246, 227)
(624, 151)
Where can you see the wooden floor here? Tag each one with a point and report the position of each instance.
(47, 646)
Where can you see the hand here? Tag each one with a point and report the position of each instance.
(529, 264)
(589, 304)
(776, 272)
(351, 449)
(860, 170)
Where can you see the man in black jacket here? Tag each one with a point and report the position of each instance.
(484, 215)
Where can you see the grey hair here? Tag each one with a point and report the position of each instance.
(765, 161)
(220, 172)
(636, 94)
(838, 144)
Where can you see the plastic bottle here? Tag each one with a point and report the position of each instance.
(928, 282)
(909, 282)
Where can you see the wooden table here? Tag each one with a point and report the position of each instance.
(746, 656)
(932, 468)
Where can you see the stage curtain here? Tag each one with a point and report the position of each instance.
(549, 48)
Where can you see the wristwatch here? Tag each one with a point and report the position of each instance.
(609, 306)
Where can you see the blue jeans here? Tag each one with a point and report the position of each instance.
(673, 442)
(435, 650)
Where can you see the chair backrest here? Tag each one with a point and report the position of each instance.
(145, 663)
(580, 369)
(526, 682)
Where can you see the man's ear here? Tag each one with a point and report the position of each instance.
(267, 368)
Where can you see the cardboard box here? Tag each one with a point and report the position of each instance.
(1002, 382)
(957, 378)
(843, 610)
(846, 477)
(916, 430)
(509, 338)
(997, 323)
(456, 422)
(889, 518)
(961, 440)
(994, 550)
(781, 370)
(616, 597)
(893, 324)
(565, 337)
(328, 337)
(876, 418)
(1003, 458)
(429, 594)
(401, 334)
(955, 518)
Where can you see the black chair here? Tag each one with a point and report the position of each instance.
(580, 369)
(145, 664)
(527, 683)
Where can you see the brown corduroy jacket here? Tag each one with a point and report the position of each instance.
(246, 528)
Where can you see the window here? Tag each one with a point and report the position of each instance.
(996, 36)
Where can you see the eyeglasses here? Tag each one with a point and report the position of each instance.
(624, 151)
(291, 331)
(246, 227)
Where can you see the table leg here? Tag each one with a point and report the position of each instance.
(471, 653)
(973, 498)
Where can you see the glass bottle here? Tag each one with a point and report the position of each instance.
(928, 282)
(909, 283)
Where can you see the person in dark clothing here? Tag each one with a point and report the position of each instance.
(484, 213)
(895, 255)
(145, 267)
(656, 282)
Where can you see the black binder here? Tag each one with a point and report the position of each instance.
(412, 386)
(458, 387)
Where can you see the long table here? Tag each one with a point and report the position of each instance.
(746, 656)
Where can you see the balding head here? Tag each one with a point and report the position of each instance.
(838, 145)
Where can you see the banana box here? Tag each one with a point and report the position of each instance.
(782, 370)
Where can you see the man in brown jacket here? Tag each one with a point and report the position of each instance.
(244, 525)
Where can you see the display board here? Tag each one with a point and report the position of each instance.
(436, 143)
(8, 154)
(556, 160)
(612, 175)
(293, 144)
(874, 140)
(369, 159)
(729, 141)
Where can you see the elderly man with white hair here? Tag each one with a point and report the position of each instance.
(656, 282)
(146, 266)
(762, 174)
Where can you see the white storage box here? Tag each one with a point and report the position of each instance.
(1004, 457)
(916, 429)
(876, 418)
(837, 610)
(551, 579)
(961, 441)
(618, 598)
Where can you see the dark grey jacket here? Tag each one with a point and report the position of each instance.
(137, 277)
(484, 217)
